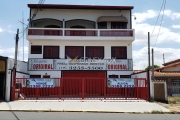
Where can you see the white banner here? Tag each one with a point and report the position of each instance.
(40, 83)
(40, 64)
(120, 83)
(79, 64)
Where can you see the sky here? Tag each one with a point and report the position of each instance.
(164, 40)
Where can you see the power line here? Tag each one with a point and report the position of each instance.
(158, 16)
(160, 23)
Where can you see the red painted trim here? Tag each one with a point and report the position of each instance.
(65, 6)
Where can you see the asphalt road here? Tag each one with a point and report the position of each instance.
(84, 116)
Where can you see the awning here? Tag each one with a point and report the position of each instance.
(112, 18)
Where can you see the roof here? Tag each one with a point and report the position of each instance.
(66, 6)
(169, 65)
(164, 74)
(171, 62)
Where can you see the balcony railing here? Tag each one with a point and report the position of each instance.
(81, 32)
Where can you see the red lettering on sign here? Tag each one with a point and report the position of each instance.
(42, 66)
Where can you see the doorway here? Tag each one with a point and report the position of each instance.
(2, 86)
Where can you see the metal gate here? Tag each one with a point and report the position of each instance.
(80, 88)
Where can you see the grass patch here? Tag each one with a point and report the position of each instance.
(174, 100)
(157, 112)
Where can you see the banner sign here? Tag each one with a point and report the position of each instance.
(79, 64)
(120, 65)
(40, 64)
(120, 83)
(40, 83)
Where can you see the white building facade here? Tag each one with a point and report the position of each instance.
(80, 41)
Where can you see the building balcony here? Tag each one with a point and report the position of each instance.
(80, 34)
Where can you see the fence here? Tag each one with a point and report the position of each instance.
(80, 88)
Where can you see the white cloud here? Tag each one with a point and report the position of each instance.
(10, 52)
(165, 35)
(171, 14)
(1, 30)
(141, 17)
(175, 26)
(140, 56)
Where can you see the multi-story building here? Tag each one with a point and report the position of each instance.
(82, 32)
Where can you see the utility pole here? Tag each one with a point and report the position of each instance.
(149, 63)
(16, 49)
(152, 64)
(14, 68)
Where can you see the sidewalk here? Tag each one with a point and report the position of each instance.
(83, 106)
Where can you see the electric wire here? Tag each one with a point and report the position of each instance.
(160, 24)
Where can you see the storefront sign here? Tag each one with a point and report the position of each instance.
(120, 65)
(79, 64)
(40, 64)
(40, 83)
(120, 83)
(2, 66)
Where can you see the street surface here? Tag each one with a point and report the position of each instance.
(10, 115)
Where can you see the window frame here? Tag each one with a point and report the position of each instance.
(119, 47)
(51, 47)
(119, 25)
(82, 47)
(113, 76)
(100, 24)
(94, 47)
(33, 52)
(35, 76)
(125, 76)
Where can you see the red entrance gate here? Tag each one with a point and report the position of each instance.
(92, 83)
(80, 88)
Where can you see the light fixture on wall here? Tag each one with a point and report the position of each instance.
(134, 17)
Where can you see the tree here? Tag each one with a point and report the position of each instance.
(155, 66)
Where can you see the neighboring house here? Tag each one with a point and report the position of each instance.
(6, 66)
(170, 73)
(67, 41)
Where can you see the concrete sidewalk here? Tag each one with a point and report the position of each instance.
(83, 106)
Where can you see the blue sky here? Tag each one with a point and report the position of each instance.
(146, 12)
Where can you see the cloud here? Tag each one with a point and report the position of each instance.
(165, 35)
(175, 26)
(10, 52)
(140, 56)
(1, 30)
(171, 14)
(141, 17)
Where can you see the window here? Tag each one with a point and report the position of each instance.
(95, 52)
(119, 52)
(36, 49)
(118, 25)
(46, 76)
(102, 25)
(125, 76)
(74, 51)
(113, 76)
(35, 76)
(51, 52)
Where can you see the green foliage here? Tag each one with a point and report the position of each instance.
(155, 66)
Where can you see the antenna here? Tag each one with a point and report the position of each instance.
(163, 58)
